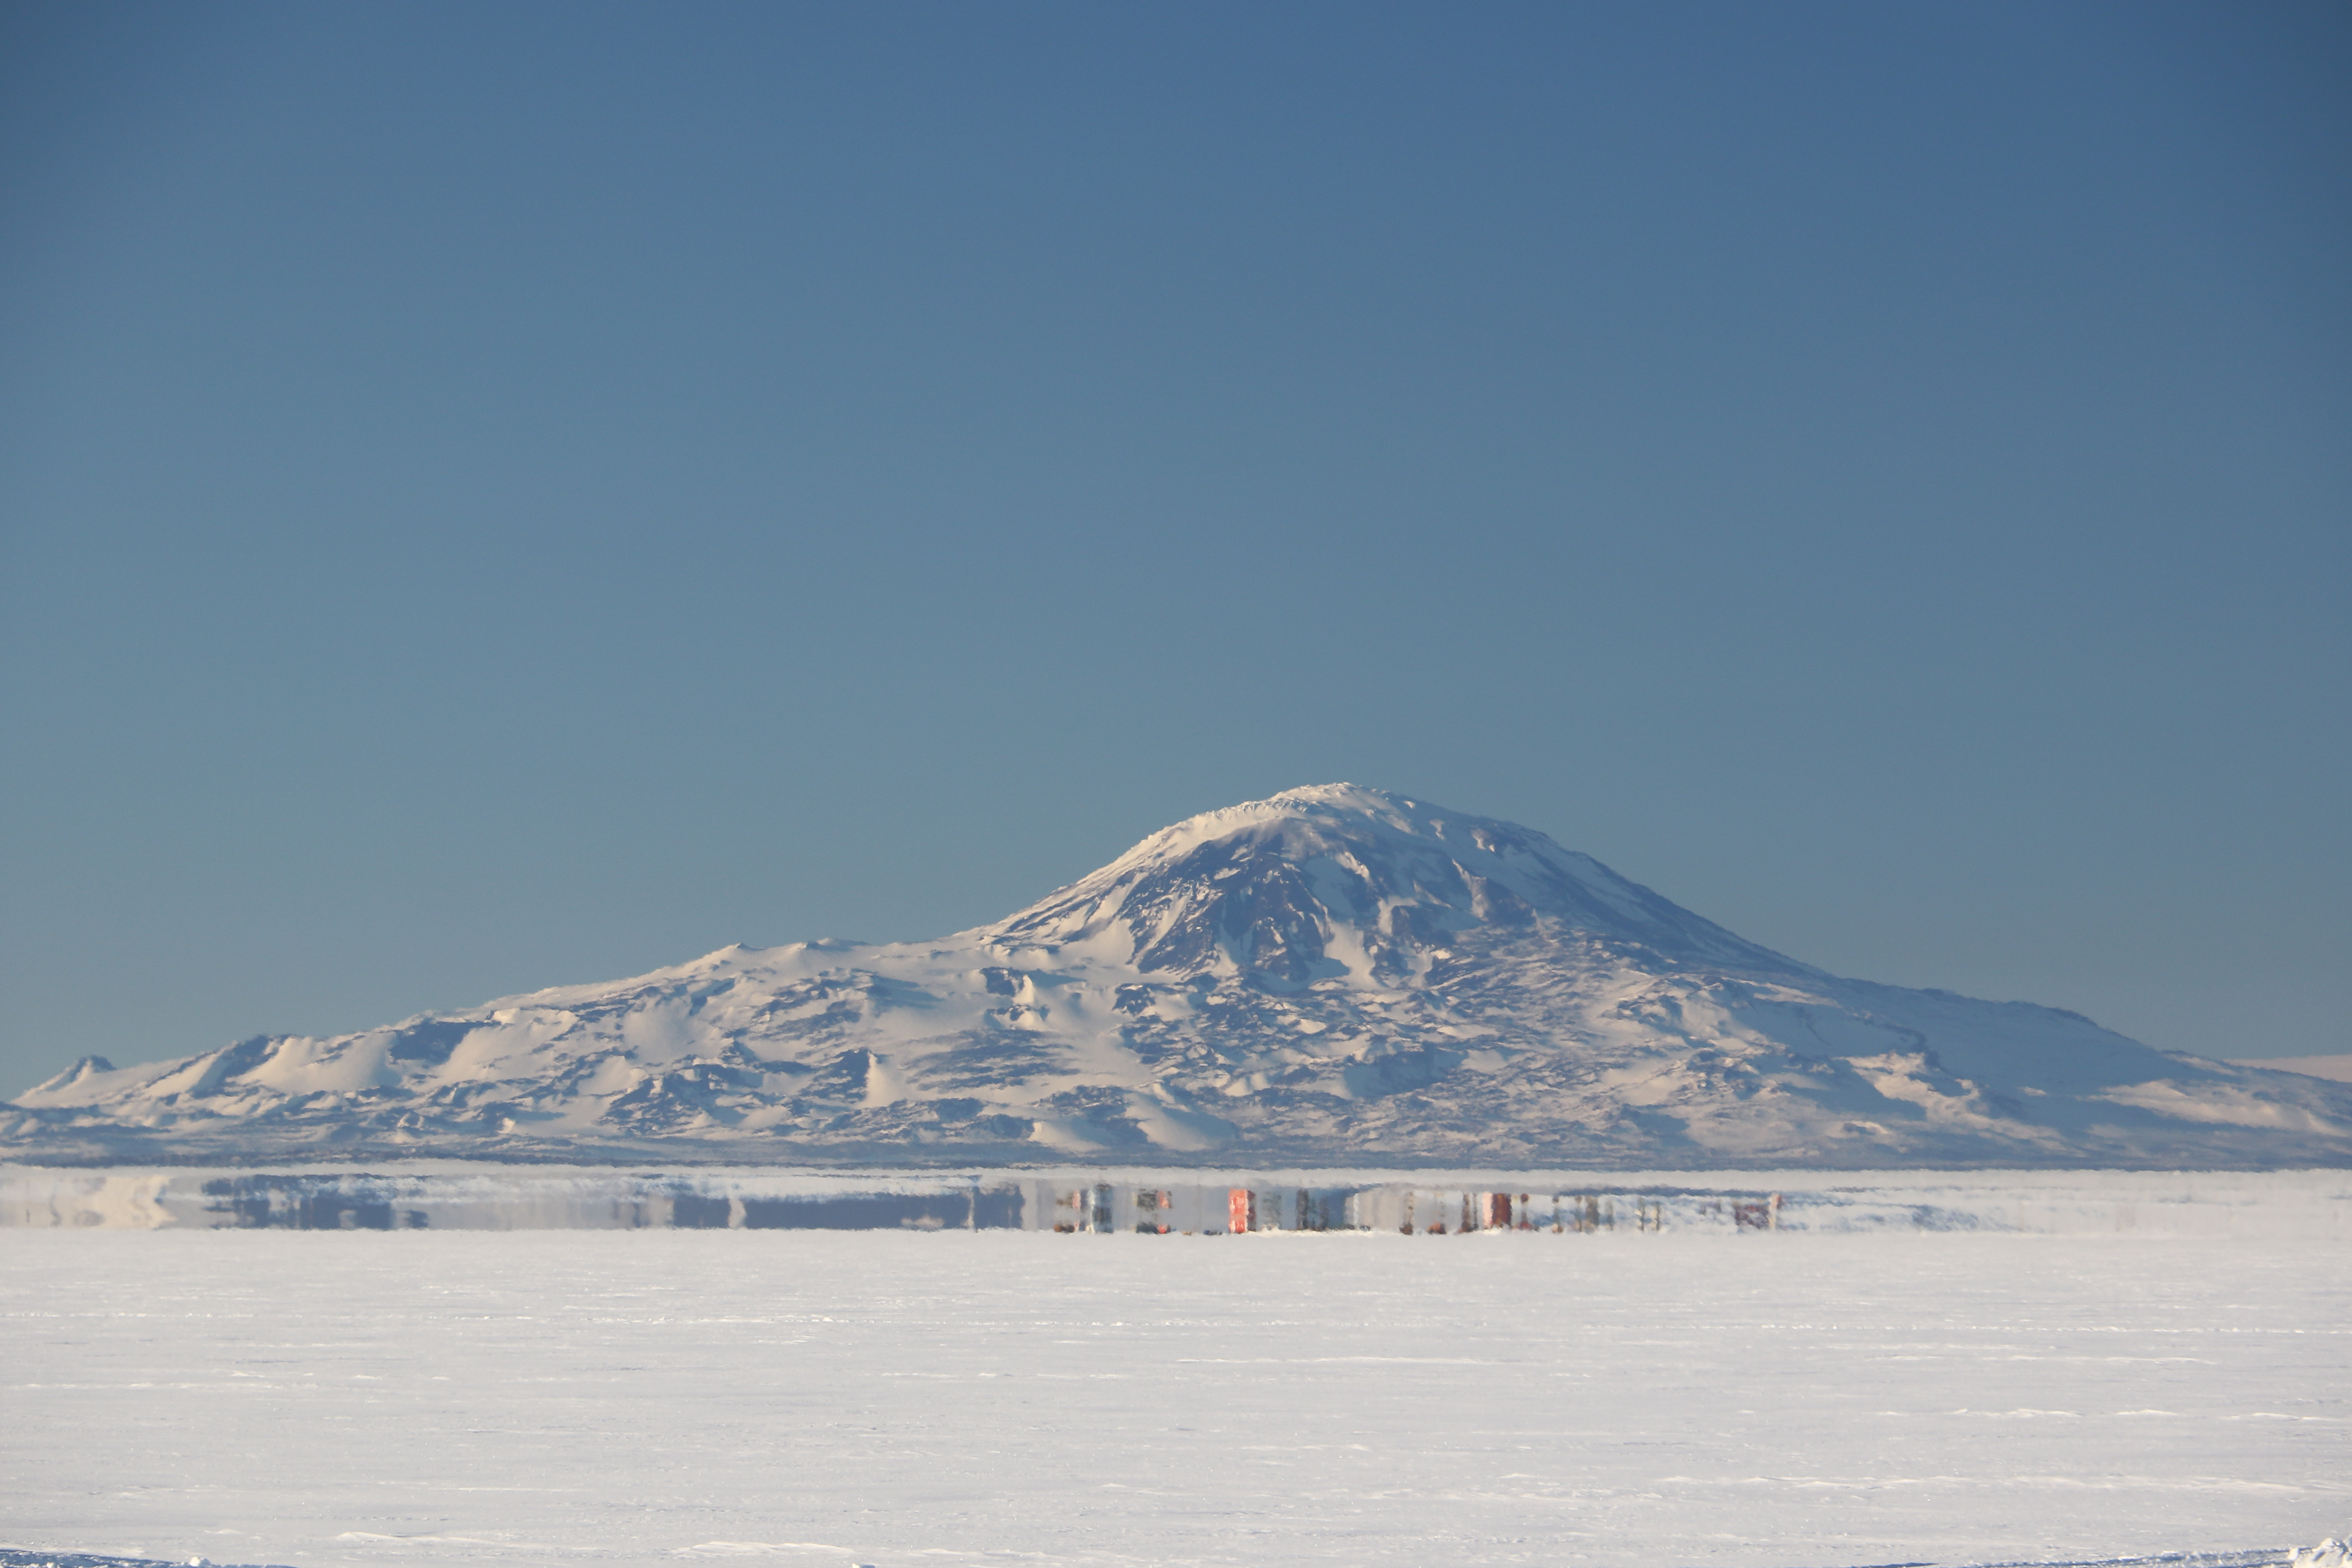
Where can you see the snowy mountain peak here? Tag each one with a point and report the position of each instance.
(1337, 880)
(1334, 975)
(81, 1072)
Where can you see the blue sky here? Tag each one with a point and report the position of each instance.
(494, 497)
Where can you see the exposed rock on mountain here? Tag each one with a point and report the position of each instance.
(1337, 975)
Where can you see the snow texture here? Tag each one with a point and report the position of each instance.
(1334, 975)
(2337, 1068)
(2328, 1554)
(11, 1558)
(1622, 1399)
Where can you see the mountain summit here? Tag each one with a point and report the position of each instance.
(1334, 975)
(1339, 882)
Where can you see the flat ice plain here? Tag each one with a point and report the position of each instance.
(337, 1399)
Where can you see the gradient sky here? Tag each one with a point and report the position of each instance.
(500, 496)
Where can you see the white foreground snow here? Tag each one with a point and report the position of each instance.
(656, 1397)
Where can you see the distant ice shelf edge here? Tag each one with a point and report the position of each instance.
(2312, 1206)
(1334, 976)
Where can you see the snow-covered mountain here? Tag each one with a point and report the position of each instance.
(1334, 975)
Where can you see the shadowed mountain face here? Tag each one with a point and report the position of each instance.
(1337, 975)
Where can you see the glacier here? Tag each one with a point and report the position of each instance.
(1333, 975)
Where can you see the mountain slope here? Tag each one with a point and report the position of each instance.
(1334, 975)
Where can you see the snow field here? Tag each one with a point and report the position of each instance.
(334, 1399)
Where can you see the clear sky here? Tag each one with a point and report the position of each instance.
(500, 496)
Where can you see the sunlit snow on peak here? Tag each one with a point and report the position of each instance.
(1335, 975)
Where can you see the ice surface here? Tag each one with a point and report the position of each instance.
(668, 1396)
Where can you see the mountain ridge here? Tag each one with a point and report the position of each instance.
(1333, 974)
